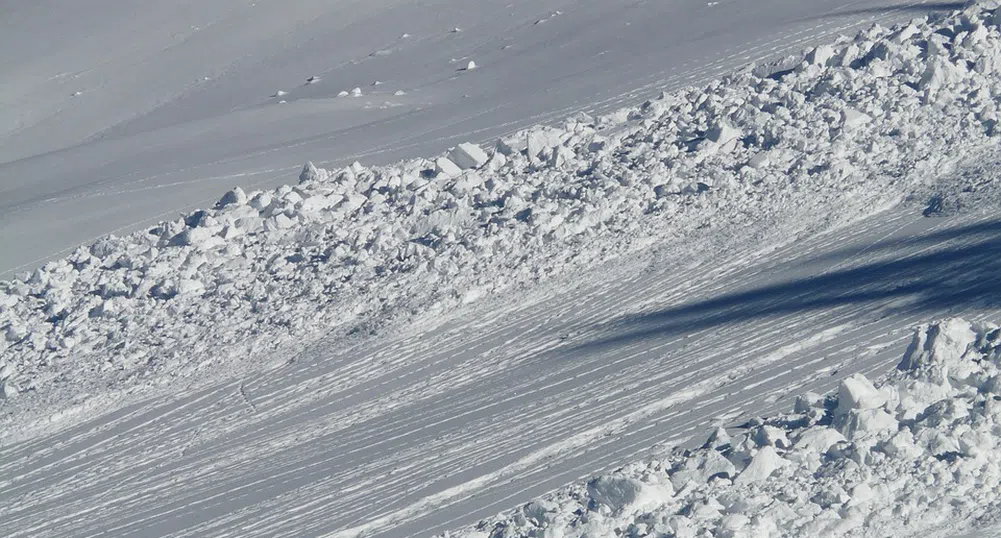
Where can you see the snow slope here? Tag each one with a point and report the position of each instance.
(915, 456)
(742, 242)
(139, 111)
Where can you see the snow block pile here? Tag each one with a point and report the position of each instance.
(917, 452)
(852, 125)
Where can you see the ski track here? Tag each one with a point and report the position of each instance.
(417, 434)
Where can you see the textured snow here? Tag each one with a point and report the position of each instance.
(931, 463)
(355, 246)
(863, 122)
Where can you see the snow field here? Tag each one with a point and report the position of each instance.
(345, 250)
(913, 454)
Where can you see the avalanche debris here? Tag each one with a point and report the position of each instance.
(930, 463)
(265, 269)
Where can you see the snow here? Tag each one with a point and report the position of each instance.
(171, 107)
(265, 299)
(267, 267)
(900, 479)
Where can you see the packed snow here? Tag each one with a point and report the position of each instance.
(134, 116)
(360, 245)
(914, 455)
(215, 308)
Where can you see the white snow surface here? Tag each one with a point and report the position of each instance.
(914, 456)
(288, 359)
(356, 246)
(140, 111)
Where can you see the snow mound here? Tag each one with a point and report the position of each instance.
(915, 452)
(847, 128)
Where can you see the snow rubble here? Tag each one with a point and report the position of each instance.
(848, 128)
(914, 455)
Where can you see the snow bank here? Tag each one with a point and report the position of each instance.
(849, 126)
(917, 452)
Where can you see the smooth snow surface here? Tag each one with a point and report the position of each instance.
(139, 110)
(407, 349)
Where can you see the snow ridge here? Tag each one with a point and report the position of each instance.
(860, 122)
(913, 456)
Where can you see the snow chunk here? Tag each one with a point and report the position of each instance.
(851, 118)
(857, 392)
(311, 173)
(723, 132)
(233, 197)
(939, 345)
(445, 167)
(467, 156)
(818, 439)
(762, 465)
(620, 493)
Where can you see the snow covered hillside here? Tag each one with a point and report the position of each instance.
(141, 110)
(915, 456)
(401, 350)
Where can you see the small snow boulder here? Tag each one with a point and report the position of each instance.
(852, 119)
(860, 421)
(233, 197)
(467, 156)
(818, 439)
(762, 465)
(723, 132)
(443, 166)
(857, 392)
(615, 492)
(311, 173)
(820, 55)
(703, 465)
(940, 344)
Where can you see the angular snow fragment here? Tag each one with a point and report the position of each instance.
(770, 436)
(851, 118)
(281, 221)
(443, 166)
(759, 160)
(203, 238)
(539, 141)
(233, 197)
(723, 132)
(818, 439)
(353, 202)
(820, 55)
(938, 345)
(311, 173)
(717, 439)
(864, 421)
(467, 156)
(762, 465)
(559, 158)
(622, 493)
(701, 466)
(807, 401)
(857, 392)
(614, 492)
(317, 203)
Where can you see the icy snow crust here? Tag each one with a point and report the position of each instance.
(347, 249)
(913, 456)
